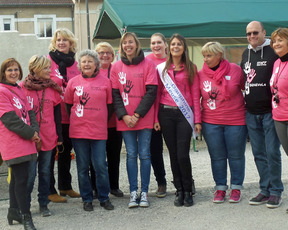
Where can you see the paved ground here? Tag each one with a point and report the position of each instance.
(162, 214)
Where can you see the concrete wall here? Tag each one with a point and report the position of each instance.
(22, 47)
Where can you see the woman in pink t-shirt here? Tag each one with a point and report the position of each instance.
(43, 94)
(223, 120)
(114, 141)
(63, 68)
(158, 46)
(177, 127)
(18, 133)
(279, 85)
(87, 97)
(134, 86)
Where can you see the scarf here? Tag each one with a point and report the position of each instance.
(63, 61)
(33, 83)
(135, 60)
(219, 75)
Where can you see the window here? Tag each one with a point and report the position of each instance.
(45, 25)
(6, 22)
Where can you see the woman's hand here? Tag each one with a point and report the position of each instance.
(130, 121)
(59, 143)
(36, 138)
(198, 128)
(157, 126)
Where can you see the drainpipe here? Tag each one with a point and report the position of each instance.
(88, 24)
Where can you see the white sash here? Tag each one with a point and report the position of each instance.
(177, 97)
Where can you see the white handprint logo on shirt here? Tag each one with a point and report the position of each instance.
(79, 90)
(211, 104)
(125, 98)
(247, 67)
(58, 74)
(122, 78)
(30, 100)
(17, 103)
(207, 86)
(251, 75)
(79, 110)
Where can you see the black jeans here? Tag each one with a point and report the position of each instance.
(113, 150)
(177, 134)
(18, 187)
(156, 151)
(64, 163)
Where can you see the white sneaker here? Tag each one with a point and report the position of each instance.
(133, 200)
(144, 200)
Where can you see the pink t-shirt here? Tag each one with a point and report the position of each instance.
(52, 98)
(216, 110)
(156, 60)
(55, 75)
(279, 80)
(112, 121)
(131, 80)
(12, 145)
(89, 114)
(191, 93)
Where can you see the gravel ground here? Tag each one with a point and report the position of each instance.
(162, 214)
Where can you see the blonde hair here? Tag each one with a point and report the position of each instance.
(105, 45)
(214, 48)
(122, 52)
(37, 63)
(67, 34)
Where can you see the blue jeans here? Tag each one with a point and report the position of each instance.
(226, 143)
(92, 151)
(138, 141)
(266, 150)
(44, 161)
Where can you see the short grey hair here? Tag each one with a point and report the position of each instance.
(89, 53)
(213, 47)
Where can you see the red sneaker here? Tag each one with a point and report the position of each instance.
(219, 196)
(235, 196)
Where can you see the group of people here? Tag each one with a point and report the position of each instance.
(91, 104)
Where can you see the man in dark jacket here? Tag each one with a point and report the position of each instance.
(257, 64)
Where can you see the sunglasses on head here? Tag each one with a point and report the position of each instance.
(254, 33)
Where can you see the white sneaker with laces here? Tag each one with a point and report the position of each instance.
(144, 200)
(133, 200)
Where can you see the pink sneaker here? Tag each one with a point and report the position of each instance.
(219, 196)
(235, 196)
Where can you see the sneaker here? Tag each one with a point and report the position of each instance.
(235, 196)
(274, 201)
(144, 200)
(45, 211)
(219, 196)
(259, 199)
(161, 191)
(133, 200)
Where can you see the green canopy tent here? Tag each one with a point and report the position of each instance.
(197, 19)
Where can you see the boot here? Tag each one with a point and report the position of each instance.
(28, 222)
(188, 199)
(14, 214)
(179, 199)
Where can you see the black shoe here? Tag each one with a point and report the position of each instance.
(14, 214)
(45, 211)
(188, 199)
(179, 199)
(117, 192)
(107, 205)
(87, 206)
(28, 222)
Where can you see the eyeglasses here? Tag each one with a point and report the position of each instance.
(255, 33)
(107, 53)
